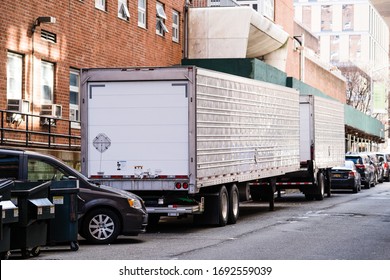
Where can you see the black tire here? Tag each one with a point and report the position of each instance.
(101, 226)
(74, 246)
(223, 206)
(234, 204)
(320, 187)
(371, 184)
(355, 188)
(328, 184)
(35, 251)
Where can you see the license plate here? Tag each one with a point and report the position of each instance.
(337, 176)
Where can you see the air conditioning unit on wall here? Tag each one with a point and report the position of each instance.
(18, 105)
(51, 110)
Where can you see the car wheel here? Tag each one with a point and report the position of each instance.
(355, 188)
(372, 183)
(101, 226)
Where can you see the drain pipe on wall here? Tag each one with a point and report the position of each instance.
(185, 45)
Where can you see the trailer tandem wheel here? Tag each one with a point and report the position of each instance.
(234, 207)
(223, 205)
(320, 187)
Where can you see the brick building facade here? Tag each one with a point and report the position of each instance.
(44, 44)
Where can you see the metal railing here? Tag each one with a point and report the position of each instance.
(37, 131)
(214, 3)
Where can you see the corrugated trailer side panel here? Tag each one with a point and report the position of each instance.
(329, 132)
(246, 129)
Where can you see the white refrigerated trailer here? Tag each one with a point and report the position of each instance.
(186, 139)
(322, 146)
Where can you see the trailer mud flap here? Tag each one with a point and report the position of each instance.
(210, 215)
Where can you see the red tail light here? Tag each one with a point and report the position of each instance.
(386, 165)
(351, 174)
(179, 185)
(361, 166)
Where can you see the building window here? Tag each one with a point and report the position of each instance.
(74, 98)
(248, 3)
(123, 10)
(39, 170)
(354, 47)
(306, 16)
(100, 4)
(175, 26)
(347, 17)
(9, 166)
(14, 75)
(161, 29)
(142, 13)
(326, 17)
(268, 9)
(334, 48)
(47, 82)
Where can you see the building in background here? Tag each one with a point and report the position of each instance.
(352, 35)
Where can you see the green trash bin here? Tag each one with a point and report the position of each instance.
(9, 215)
(35, 211)
(63, 228)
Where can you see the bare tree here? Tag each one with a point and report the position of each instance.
(358, 93)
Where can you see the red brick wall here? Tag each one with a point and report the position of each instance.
(86, 37)
(325, 81)
(284, 16)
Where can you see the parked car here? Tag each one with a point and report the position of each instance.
(104, 213)
(377, 166)
(364, 167)
(346, 177)
(384, 159)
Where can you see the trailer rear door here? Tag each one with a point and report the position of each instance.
(137, 127)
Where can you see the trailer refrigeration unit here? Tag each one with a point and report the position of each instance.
(322, 146)
(186, 139)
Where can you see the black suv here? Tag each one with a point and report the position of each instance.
(104, 212)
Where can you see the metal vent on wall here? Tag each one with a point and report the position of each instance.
(48, 36)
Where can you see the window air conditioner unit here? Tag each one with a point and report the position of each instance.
(18, 105)
(51, 110)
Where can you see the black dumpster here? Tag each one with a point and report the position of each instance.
(64, 227)
(9, 215)
(35, 211)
